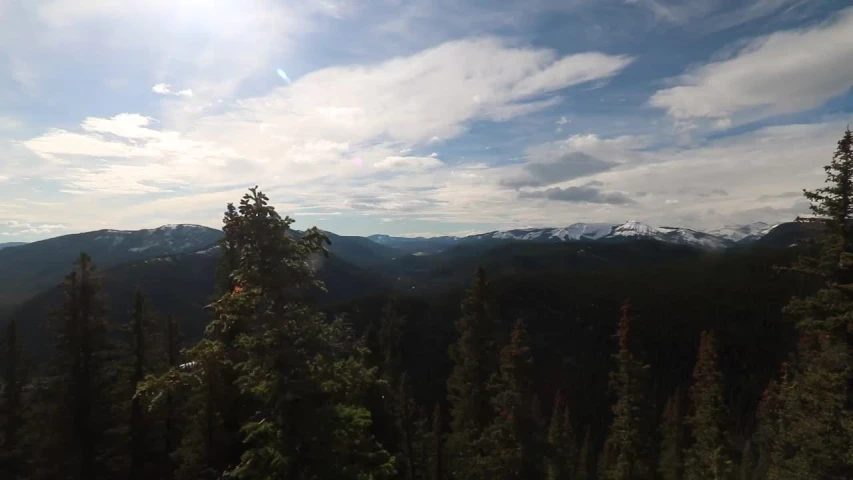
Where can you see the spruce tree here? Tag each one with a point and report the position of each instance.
(671, 462)
(411, 425)
(585, 461)
(82, 437)
(767, 431)
(475, 358)
(12, 458)
(301, 380)
(708, 457)
(141, 332)
(437, 456)
(627, 449)
(815, 417)
(561, 453)
(511, 444)
(171, 416)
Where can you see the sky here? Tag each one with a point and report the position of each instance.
(417, 117)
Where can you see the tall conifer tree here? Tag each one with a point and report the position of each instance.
(815, 417)
(709, 456)
(475, 358)
(12, 458)
(627, 449)
(512, 445)
(671, 461)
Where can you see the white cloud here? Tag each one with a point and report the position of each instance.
(713, 15)
(408, 163)
(166, 89)
(162, 89)
(781, 73)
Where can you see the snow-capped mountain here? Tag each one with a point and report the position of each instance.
(27, 269)
(676, 235)
(165, 240)
(743, 233)
(575, 231)
(710, 240)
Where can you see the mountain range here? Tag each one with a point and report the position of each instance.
(711, 240)
(176, 264)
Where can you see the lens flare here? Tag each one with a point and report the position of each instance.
(281, 73)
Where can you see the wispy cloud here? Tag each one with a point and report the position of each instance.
(781, 73)
(166, 89)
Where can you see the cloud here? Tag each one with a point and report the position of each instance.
(776, 196)
(408, 163)
(17, 228)
(576, 157)
(162, 89)
(713, 15)
(376, 111)
(785, 72)
(166, 89)
(582, 194)
(567, 166)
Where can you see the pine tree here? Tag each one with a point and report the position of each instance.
(411, 424)
(832, 207)
(82, 437)
(511, 443)
(767, 432)
(561, 454)
(301, 380)
(437, 457)
(708, 457)
(627, 449)
(171, 422)
(475, 357)
(671, 463)
(583, 470)
(141, 330)
(12, 458)
(815, 418)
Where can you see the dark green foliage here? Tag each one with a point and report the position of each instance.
(767, 432)
(412, 428)
(709, 456)
(81, 436)
(277, 388)
(437, 455)
(585, 461)
(475, 358)
(12, 457)
(141, 327)
(671, 461)
(627, 449)
(813, 425)
(561, 457)
(511, 445)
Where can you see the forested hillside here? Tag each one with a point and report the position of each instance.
(269, 357)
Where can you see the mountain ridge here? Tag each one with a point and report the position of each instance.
(633, 229)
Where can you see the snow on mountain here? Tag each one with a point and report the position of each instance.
(738, 233)
(165, 240)
(686, 236)
(710, 240)
(634, 228)
(577, 231)
(676, 235)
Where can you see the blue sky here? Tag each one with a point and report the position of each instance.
(417, 116)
